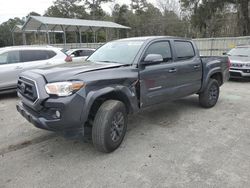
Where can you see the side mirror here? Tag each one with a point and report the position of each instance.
(224, 53)
(72, 55)
(152, 59)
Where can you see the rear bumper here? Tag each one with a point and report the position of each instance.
(239, 73)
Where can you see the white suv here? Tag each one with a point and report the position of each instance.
(14, 60)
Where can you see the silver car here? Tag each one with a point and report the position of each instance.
(80, 55)
(240, 62)
(14, 60)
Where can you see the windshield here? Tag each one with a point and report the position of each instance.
(122, 52)
(240, 52)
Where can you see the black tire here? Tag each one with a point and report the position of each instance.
(210, 96)
(110, 125)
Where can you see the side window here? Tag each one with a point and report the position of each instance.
(51, 54)
(36, 55)
(85, 52)
(163, 48)
(89, 52)
(28, 55)
(184, 50)
(77, 53)
(81, 53)
(4, 58)
(9, 57)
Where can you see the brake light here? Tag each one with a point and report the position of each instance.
(68, 59)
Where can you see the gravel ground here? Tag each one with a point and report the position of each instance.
(177, 144)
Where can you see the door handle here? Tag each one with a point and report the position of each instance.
(172, 70)
(19, 67)
(197, 66)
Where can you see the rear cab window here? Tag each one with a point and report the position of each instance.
(184, 50)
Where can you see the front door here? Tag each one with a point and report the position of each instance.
(156, 80)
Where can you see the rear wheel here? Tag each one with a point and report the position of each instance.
(210, 96)
(109, 126)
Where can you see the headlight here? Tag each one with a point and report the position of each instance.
(63, 88)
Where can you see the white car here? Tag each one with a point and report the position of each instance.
(14, 60)
(80, 55)
(240, 62)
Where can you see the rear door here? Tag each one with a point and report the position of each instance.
(188, 66)
(10, 67)
(35, 59)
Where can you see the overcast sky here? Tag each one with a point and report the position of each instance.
(20, 8)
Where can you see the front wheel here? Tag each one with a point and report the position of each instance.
(210, 96)
(110, 125)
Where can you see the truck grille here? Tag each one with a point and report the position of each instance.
(27, 89)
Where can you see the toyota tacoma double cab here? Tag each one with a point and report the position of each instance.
(119, 78)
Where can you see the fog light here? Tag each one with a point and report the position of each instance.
(58, 114)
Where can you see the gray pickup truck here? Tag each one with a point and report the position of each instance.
(121, 77)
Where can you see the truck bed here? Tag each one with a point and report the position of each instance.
(222, 59)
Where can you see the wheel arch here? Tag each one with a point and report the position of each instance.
(96, 98)
(213, 74)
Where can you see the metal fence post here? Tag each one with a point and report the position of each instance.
(211, 48)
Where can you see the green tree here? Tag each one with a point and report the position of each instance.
(34, 14)
(149, 20)
(6, 32)
(206, 14)
(96, 11)
(120, 15)
(67, 9)
(139, 6)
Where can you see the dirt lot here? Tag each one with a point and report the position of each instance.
(176, 144)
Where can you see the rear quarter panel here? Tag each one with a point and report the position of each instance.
(212, 65)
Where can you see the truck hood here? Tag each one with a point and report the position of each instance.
(239, 59)
(69, 70)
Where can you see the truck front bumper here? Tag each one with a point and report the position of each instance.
(58, 115)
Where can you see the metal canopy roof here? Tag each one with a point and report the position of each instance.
(18, 29)
(38, 23)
